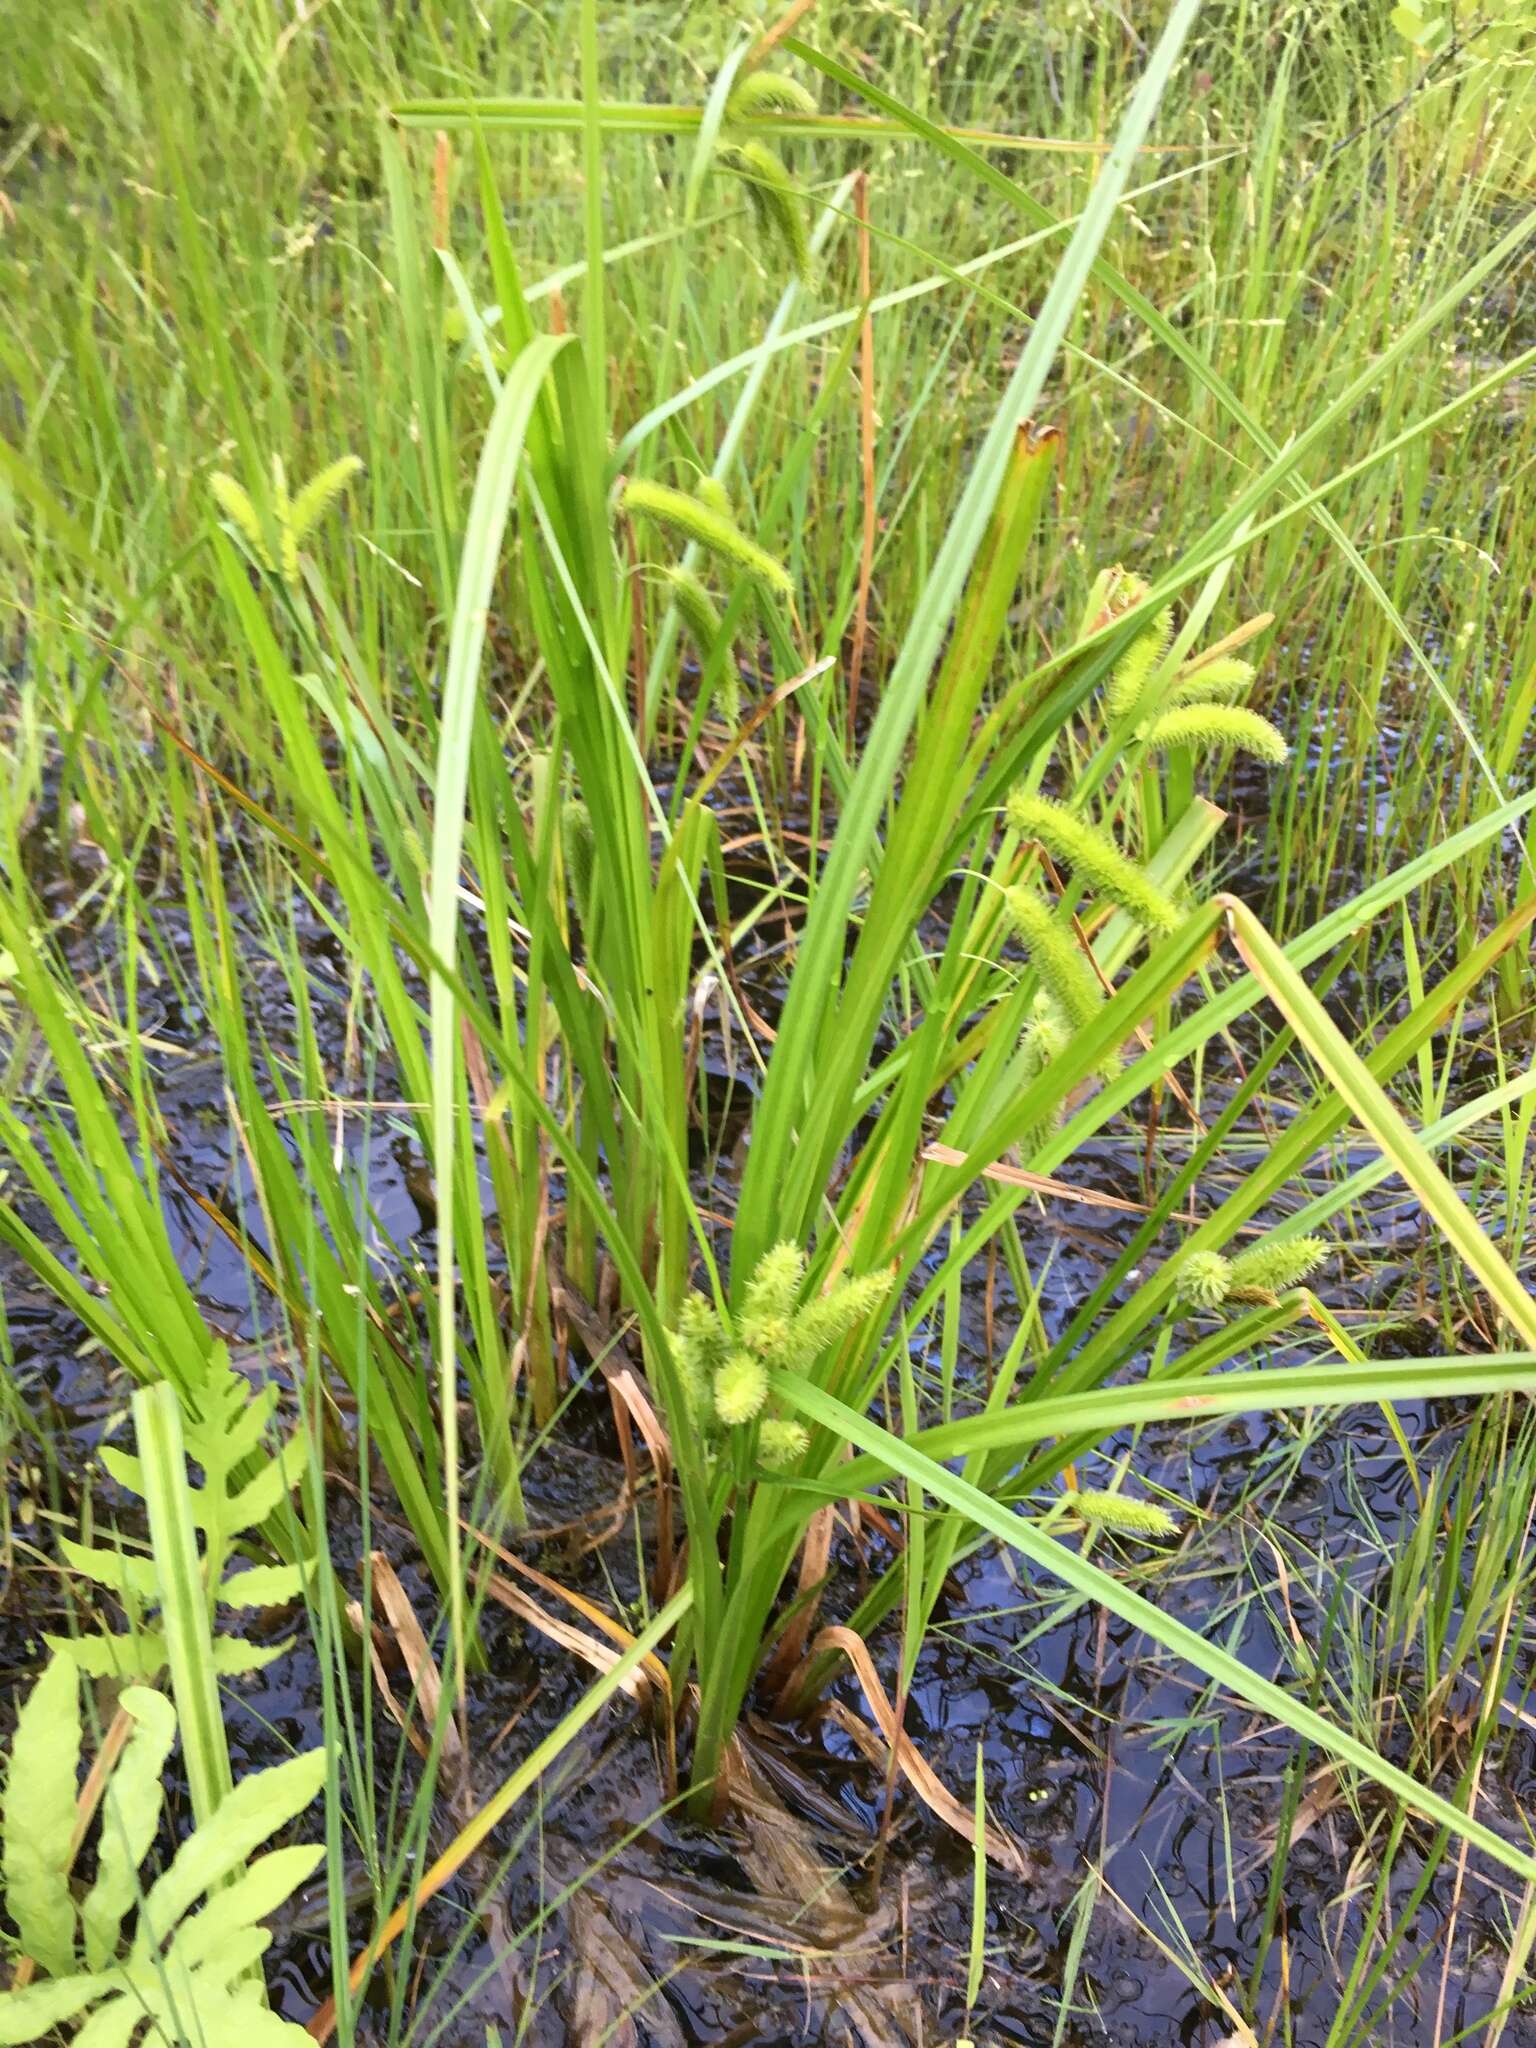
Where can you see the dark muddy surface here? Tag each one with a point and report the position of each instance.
(1147, 1808)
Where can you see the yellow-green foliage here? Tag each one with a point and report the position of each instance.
(176, 1955)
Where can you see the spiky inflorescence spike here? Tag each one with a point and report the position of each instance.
(741, 1388)
(282, 509)
(775, 200)
(321, 492)
(716, 535)
(1204, 1280)
(781, 1442)
(696, 608)
(1226, 680)
(235, 503)
(711, 492)
(776, 1281)
(822, 1322)
(769, 1306)
(1122, 1514)
(700, 1344)
(1064, 973)
(578, 844)
(767, 92)
(1219, 725)
(1269, 1268)
(1129, 676)
(1093, 858)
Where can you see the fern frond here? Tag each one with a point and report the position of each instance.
(40, 1817)
(1219, 725)
(767, 92)
(697, 522)
(234, 502)
(775, 200)
(1131, 672)
(321, 492)
(1093, 858)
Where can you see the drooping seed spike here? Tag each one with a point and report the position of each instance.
(1209, 726)
(1094, 858)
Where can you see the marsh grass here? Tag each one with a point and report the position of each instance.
(1202, 314)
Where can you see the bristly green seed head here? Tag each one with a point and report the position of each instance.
(1065, 976)
(767, 92)
(1093, 858)
(696, 609)
(1225, 680)
(711, 492)
(774, 198)
(1064, 973)
(1134, 669)
(741, 1388)
(700, 1346)
(1270, 1268)
(781, 1442)
(578, 846)
(1125, 1516)
(714, 533)
(821, 1323)
(1209, 726)
(234, 502)
(776, 1281)
(1204, 1280)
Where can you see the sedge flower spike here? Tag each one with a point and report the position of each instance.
(1093, 858)
(741, 1388)
(781, 1442)
(1270, 1268)
(1204, 1280)
(1124, 1515)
